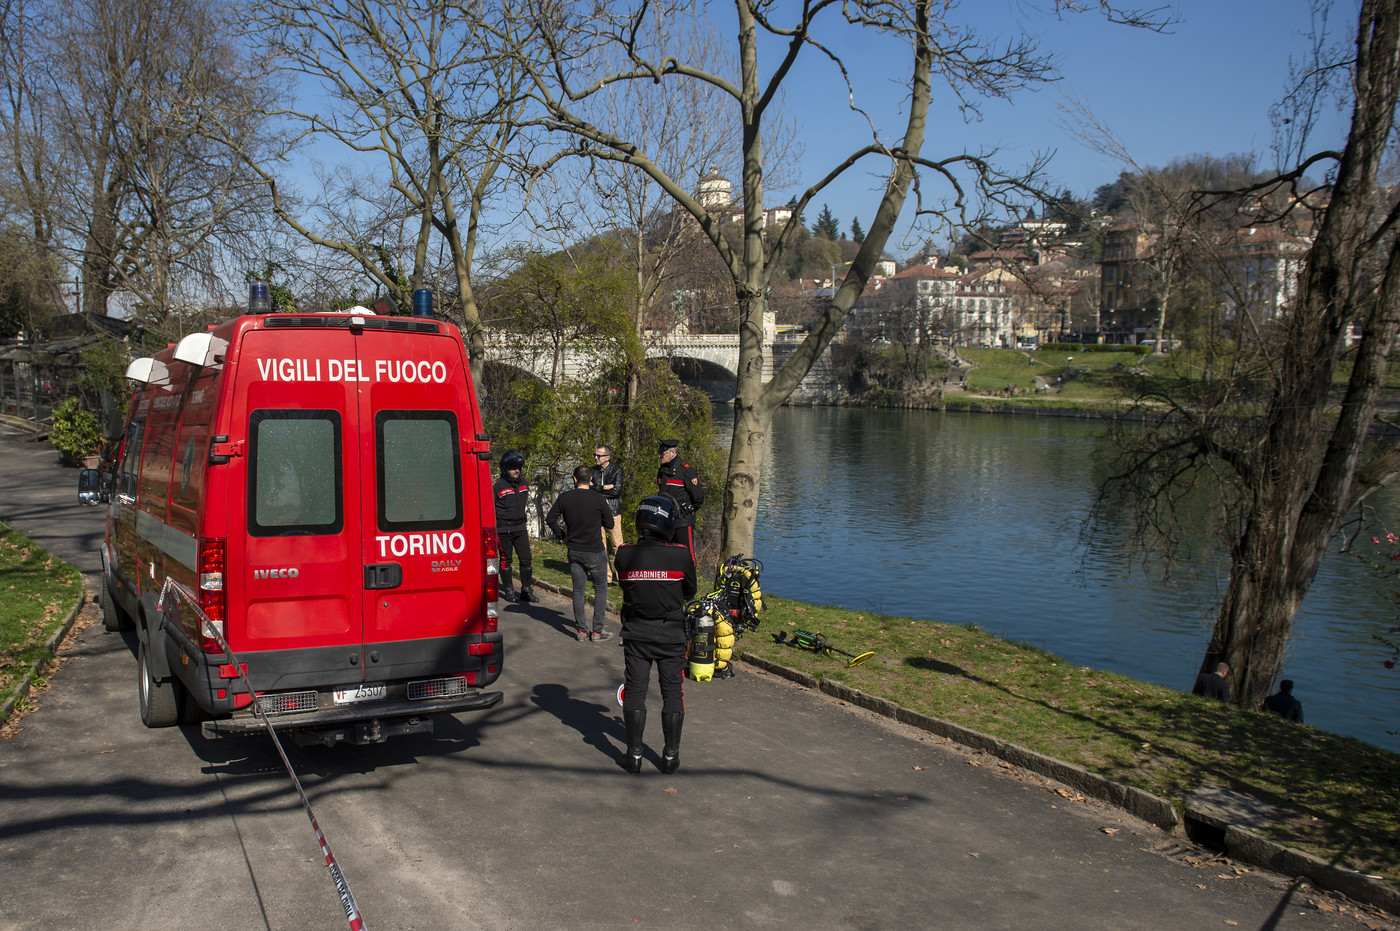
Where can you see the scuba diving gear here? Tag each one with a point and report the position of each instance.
(700, 632)
(732, 608)
(817, 643)
(736, 586)
(636, 722)
(671, 754)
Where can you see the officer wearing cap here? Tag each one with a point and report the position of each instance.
(512, 493)
(657, 578)
(678, 480)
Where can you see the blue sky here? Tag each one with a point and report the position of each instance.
(1204, 86)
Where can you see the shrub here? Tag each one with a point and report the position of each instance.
(75, 431)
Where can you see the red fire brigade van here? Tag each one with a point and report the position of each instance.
(319, 484)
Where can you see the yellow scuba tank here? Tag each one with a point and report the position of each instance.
(701, 667)
(724, 644)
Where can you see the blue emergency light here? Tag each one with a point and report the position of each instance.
(259, 297)
(422, 302)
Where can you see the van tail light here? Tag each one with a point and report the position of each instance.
(491, 546)
(213, 600)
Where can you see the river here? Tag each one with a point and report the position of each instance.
(976, 519)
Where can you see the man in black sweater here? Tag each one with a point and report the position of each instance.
(1214, 684)
(585, 513)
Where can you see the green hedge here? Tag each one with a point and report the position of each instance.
(1098, 347)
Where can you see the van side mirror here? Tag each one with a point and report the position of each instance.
(90, 487)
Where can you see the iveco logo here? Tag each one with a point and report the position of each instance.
(276, 573)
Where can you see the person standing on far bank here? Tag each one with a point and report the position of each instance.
(607, 481)
(1214, 684)
(512, 493)
(1284, 704)
(585, 513)
(657, 579)
(678, 480)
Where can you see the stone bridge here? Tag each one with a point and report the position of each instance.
(709, 361)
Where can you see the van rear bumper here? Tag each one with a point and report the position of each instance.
(330, 718)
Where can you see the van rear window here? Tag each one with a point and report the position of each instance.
(420, 470)
(294, 475)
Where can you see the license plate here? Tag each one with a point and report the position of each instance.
(366, 692)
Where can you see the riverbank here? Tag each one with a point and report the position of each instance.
(1092, 381)
(1334, 797)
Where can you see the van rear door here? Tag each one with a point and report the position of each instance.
(423, 546)
(294, 520)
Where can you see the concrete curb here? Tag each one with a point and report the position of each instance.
(1248, 847)
(1240, 844)
(51, 647)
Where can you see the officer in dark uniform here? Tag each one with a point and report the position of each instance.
(657, 578)
(678, 479)
(512, 493)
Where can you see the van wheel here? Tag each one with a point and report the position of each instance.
(113, 617)
(159, 707)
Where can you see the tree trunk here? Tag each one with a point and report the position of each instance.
(753, 419)
(754, 401)
(1301, 490)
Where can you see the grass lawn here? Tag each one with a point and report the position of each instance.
(1086, 377)
(1341, 796)
(37, 590)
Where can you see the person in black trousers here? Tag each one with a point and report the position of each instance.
(657, 579)
(585, 513)
(512, 493)
(678, 480)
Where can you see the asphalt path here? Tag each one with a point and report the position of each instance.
(790, 809)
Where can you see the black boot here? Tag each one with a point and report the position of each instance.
(671, 755)
(527, 587)
(636, 723)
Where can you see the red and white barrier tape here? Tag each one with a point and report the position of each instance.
(342, 888)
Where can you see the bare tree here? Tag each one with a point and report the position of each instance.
(406, 87)
(1286, 466)
(561, 62)
(105, 103)
(674, 122)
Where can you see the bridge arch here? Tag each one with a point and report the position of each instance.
(715, 379)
